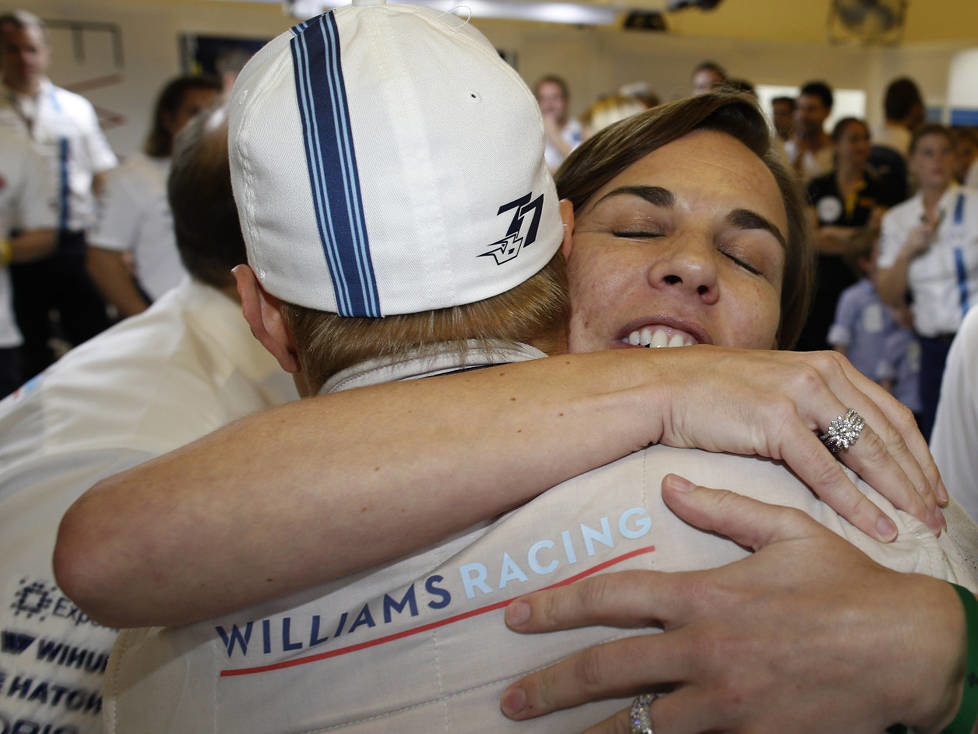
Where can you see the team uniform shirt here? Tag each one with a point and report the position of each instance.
(27, 202)
(944, 278)
(900, 361)
(954, 441)
(420, 645)
(813, 164)
(65, 131)
(862, 325)
(154, 382)
(572, 134)
(136, 218)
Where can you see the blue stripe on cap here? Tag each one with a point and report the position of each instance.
(332, 165)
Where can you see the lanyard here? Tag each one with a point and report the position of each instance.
(960, 268)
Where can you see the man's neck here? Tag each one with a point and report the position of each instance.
(29, 88)
(932, 196)
(814, 141)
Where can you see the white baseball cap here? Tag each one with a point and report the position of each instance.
(386, 160)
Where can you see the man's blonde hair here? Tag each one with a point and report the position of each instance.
(533, 311)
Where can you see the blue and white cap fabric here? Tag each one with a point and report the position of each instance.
(385, 160)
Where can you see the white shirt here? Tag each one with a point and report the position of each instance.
(419, 645)
(894, 136)
(65, 131)
(27, 202)
(572, 134)
(812, 164)
(945, 277)
(954, 440)
(135, 217)
(154, 382)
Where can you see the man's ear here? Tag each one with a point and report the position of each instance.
(262, 312)
(567, 216)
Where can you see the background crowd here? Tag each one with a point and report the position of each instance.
(859, 184)
(88, 243)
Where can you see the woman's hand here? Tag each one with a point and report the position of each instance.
(920, 238)
(775, 404)
(805, 635)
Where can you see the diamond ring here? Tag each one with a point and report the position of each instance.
(639, 716)
(843, 432)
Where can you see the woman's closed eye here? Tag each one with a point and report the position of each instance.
(643, 233)
(741, 262)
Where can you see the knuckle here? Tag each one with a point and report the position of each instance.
(595, 594)
(589, 668)
(809, 377)
(903, 420)
(873, 446)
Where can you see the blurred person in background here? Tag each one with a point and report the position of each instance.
(929, 248)
(965, 152)
(610, 110)
(707, 76)
(63, 128)
(28, 215)
(783, 116)
(810, 151)
(563, 132)
(132, 254)
(903, 108)
(845, 204)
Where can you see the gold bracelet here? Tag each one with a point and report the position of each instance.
(6, 253)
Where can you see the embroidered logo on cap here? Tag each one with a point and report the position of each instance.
(510, 246)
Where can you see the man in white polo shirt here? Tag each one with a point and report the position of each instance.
(28, 212)
(185, 367)
(63, 128)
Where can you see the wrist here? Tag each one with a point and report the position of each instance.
(947, 652)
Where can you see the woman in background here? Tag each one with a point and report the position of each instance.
(135, 228)
(845, 203)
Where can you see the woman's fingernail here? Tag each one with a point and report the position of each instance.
(517, 613)
(513, 701)
(678, 483)
(886, 529)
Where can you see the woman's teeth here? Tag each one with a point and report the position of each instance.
(649, 337)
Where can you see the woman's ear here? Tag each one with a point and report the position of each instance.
(567, 217)
(263, 313)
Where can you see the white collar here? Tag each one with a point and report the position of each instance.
(440, 359)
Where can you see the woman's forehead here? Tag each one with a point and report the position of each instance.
(709, 167)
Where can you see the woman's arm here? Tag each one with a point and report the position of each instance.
(320, 488)
(805, 635)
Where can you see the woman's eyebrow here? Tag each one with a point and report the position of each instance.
(746, 219)
(653, 194)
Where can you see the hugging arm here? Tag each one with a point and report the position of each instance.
(805, 635)
(320, 488)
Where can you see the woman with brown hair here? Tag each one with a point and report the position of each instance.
(846, 205)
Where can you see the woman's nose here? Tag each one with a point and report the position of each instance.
(687, 263)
